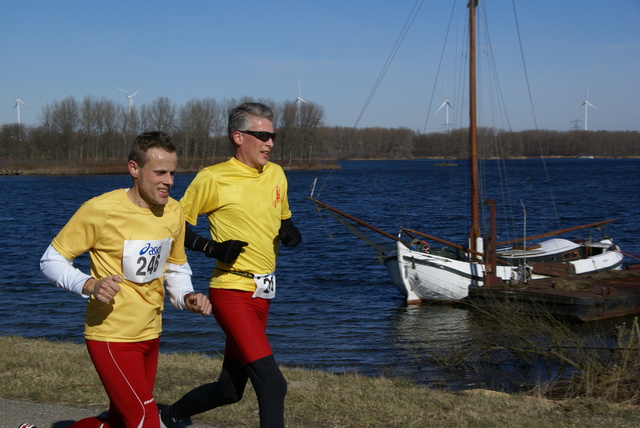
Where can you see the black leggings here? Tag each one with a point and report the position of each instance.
(266, 378)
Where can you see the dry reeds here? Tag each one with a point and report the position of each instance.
(561, 362)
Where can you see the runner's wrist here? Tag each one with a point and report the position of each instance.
(89, 286)
(187, 295)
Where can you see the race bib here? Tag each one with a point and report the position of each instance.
(265, 286)
(143, 261)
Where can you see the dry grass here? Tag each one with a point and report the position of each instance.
(44, 371)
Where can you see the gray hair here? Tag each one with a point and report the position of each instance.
(240, 117)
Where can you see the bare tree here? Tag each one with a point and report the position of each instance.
(161, 115)
(64, 121)
(198, 121)
(298, 124)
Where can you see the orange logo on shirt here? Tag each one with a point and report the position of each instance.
(276, 196)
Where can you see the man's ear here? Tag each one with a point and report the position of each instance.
(237, 138)
(133, 168)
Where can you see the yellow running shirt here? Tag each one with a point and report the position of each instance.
(244, 204)
(135, 243)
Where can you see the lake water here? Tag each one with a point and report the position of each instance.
(336, 309)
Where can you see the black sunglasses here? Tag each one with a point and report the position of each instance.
(263, 136)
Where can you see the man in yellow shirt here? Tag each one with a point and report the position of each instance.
(245, 201)
(135, 239)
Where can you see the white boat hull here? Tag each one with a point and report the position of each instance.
(421, 276)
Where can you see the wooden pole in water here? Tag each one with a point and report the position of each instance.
(490, 261)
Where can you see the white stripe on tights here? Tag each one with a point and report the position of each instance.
(132, 390)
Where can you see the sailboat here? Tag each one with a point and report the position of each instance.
(424, 274)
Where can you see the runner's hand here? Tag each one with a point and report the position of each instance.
(198, 303)
(289, 234)
(104, 289)
(226, 252)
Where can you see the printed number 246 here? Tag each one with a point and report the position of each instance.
(152, 267)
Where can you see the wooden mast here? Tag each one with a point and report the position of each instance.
(473, 152)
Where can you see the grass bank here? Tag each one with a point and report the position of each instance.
(57, 372)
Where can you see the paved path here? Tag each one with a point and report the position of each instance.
(14, 413)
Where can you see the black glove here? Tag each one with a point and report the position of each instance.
(226, 252)
(289, 234)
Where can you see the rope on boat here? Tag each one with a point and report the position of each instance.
(352, 227)
(630, 255)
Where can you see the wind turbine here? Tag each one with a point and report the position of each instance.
(447, 105)
(299, 100)
(130, 98)
(18, 101)
(586, 105)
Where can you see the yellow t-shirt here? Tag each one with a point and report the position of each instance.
(244, 204)
(135, 243)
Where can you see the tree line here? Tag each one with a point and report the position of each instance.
(96, 130)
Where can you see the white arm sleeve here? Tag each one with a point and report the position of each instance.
(178, 283)
(61, 273)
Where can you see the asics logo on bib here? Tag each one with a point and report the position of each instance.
(153, 251)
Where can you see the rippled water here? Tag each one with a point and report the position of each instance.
(336, 308)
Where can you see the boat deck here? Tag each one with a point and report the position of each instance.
(588, 297)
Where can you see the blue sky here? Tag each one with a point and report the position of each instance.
(337, 48)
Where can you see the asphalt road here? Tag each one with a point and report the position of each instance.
(43, 415)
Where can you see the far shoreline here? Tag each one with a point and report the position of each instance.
(111, 167)
(119, 167)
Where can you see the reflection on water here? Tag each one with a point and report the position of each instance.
(423, 333)
(437, 341)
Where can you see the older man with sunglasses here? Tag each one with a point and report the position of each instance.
(245, 200)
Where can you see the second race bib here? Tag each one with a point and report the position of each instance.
(265, 286)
